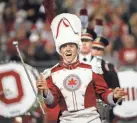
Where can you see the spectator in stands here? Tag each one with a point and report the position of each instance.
(41, 49)
(8, 17)
(110, 55)
(128, 54)
(21, 37)
(133, 25)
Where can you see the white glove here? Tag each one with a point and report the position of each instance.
(96, 64)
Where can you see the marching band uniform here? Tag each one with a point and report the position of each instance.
(109, 71)
(73, 87)
(110, 76)
(82, 96)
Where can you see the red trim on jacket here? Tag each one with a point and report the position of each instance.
(101, 87)
(70, 66)
(58, 97)
(57, 68)
(82, 65)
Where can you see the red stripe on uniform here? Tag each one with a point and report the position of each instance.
(100, 43)
(127, 93)
(86, 35)
(133, 93)
(66, 25)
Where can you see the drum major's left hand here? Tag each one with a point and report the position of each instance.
(118, 93)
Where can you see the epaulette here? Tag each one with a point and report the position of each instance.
(110, 67)
(96, 65)
(47, 72)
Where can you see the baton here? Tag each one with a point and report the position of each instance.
(15, 43)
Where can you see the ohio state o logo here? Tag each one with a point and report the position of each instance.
(17, 79)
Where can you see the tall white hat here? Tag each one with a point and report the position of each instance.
(66, 28)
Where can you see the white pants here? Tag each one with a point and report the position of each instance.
(89, 115)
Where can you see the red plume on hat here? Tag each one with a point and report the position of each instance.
(98, 27)
(49, 9)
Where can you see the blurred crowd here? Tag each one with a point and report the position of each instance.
(25, 21)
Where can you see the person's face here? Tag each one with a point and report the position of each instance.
(86, 46)
(129, 41)
(21, 34)
(69, 52)
(96, 51)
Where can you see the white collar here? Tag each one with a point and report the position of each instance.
(87, 56)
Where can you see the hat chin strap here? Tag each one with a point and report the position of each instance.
(75, 60)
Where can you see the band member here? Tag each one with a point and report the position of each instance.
(73, 85)
(85, 51)
(109, 72)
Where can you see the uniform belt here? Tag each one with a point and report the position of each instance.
(76, 111)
